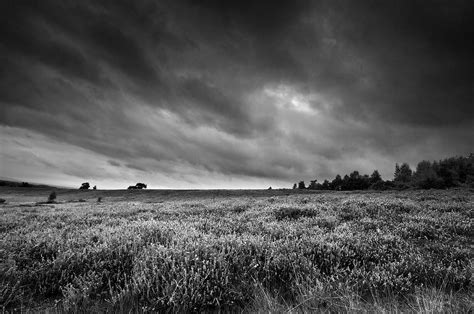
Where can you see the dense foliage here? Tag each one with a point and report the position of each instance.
(223, 252)
(85, 186)
(137, 186)
(446, 173)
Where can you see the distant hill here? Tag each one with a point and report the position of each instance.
(13, 183)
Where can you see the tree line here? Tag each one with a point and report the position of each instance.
(445, 173)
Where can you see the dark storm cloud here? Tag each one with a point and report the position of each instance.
(114, 163)
(420, 57)
(267, 89)
(136, 167)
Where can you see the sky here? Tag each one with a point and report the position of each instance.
(231, 94)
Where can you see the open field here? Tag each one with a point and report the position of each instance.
(278, 250)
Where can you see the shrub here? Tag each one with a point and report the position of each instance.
(293, 213)
(379, 185)
(240, 208)
(349, 212)
(52, 197)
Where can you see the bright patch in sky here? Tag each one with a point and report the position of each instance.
(288, 98)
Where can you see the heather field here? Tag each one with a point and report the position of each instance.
(244, 251)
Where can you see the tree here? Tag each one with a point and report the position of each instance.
(336, 183)
(345, 183)
(301, 185)
(84, 186)
(354, 180)
(403, 173)
(425, 176)
(325, 185)
(140, 186)
(313, 185)
(396, 175)
(294, 186)
(365, 182)
(95, 187)
(448, 171)
(375, 177)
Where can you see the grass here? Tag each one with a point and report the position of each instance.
(250, 251)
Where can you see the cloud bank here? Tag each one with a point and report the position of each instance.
(233, 94)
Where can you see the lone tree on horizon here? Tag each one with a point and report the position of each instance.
(137, 186)
(85, 186)
(140, 186)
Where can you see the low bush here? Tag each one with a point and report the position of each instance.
(293, 213)
(240, 208)
(52, 197)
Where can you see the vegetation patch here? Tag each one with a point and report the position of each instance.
(349, 252)
(240, 208)
(294, 213)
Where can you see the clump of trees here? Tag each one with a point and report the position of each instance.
(353, 181)
(137, 186)
(85, 186)
(446, 173)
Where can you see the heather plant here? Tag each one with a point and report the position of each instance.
(294, 212)
(397, 251)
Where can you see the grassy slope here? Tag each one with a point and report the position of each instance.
(253, 250)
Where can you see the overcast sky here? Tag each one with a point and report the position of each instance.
(231, 94)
